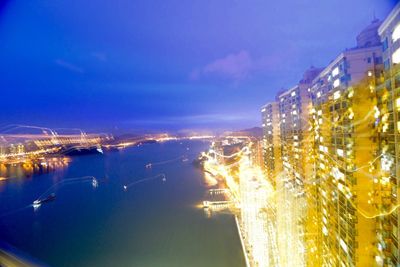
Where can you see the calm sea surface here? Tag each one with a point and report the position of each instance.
(153, 223)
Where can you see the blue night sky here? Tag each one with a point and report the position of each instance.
(167, 64)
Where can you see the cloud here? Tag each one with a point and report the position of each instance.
(234, 67)
(69, 66)
(237, 67)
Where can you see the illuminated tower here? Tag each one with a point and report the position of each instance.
(389, 114)
(271, 141)
(292, 203)
(345, 122)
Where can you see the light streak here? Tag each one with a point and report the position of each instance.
(65, 182)
(165, 161)
(160, 175)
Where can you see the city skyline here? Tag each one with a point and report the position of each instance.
(173, 66)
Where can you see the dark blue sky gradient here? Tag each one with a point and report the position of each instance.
(164, 65)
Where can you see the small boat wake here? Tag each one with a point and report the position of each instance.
(161, 175)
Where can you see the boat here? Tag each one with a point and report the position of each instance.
(100, 150)
(38, 202)
(148, 166)
(95, 183)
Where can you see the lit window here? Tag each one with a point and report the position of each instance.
(398, 103)
(343, 245)
(340, 152)
(386, 162)
(396, 33)
(351, 92)
(336, 83)
(385, 127)
(377, 112)
(335, 72)
(337, 174)
(369, 73)
(396, 56)
(379, 260)
(336, 95)
(293, 93)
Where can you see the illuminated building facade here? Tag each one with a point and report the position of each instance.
(257, 152)
(253, 199)
(271, 141)
(336, 136)
(257, 217)
(17, 149)
(389, 109)
(347, 120)
(291, 209)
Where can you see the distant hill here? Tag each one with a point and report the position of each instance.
(253, 132)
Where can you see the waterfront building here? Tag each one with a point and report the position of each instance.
(347, 119)
(17, 149)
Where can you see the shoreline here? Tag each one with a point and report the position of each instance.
(246, 258)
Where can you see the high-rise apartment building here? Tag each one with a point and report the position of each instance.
(337, 189)
(271, 144)
(388, 106)
(294, 106)
(346, 123)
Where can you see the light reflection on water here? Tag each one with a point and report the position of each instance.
(29, 168)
